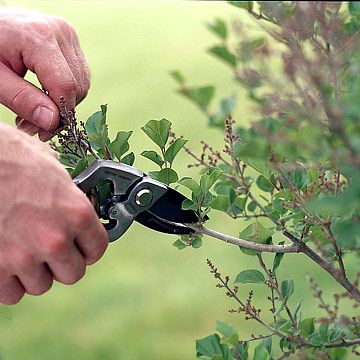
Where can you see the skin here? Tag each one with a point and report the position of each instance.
(48, 228)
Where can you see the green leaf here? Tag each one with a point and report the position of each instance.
(81, 166)
(227, 105)
(196, 241)
(129, 159)
(167, 176)
(261, 353)
(201, 96)
(307, 326)
(189, 205)
(329, 205)
(264, 184)
(252, 206)
(96, 128)
(178, 76)
(207, 199)
(248, 48)
(338, 354)
(210, 346)
(157, 131)
(354, 9)
(257, 233)
(277, 260)
(323, 331)
(180, 244)
(250, 276)
(297, 311)
(229, 332)
(220, 202)
(255, 153)
(174, 148)
(224, 54)
(286, 289)
(104, 190)
(347, 234)
(335, 334)
(283, 325)
(300, 178)
(267, 342)
(209, 178)
(153, 174)
(218, 27)
(315, 340)
(68, 159)
(153, 156)
(120, 145)
(191, 184)
(242, 350)
(247, 5)
(254, 148)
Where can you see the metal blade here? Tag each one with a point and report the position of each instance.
(168, 208)
(166, 215)
(152, 222)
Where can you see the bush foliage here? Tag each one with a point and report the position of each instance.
(297, 166)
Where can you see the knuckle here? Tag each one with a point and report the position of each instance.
(21, 98)
(75, 276)
(85, 81)
(55, 245)
(11, 293)
(63, 24)
(22, 260)
(13, 298)
(68, 84)
(43, 29)
(97, 253)
(41, 288)
(83, 215)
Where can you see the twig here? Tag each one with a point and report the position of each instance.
(352, 290)
(292, 248)
(274, 286)
(247, 308)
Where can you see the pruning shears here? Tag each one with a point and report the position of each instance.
(123, 194)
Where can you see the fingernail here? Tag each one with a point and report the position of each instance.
(19, 122)
(43, 117)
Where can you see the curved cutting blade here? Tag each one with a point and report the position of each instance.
(166, 212)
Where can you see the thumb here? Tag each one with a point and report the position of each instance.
(26, 100)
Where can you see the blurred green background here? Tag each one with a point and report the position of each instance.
(144, 299)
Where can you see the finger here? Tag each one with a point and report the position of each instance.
(93, 242)
(69, 266)
(26, 100)
(27, 127)
(36, 279)
(11, 290)
(75, 58)
(45, 135)
(53, 72)
(91, 238)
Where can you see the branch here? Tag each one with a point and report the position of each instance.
(337, 275)
(293, 248)
(343, 344)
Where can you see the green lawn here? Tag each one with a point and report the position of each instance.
(145, 299)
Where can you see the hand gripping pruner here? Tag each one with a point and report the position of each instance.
(123, 194)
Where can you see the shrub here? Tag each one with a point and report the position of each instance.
(294, 171)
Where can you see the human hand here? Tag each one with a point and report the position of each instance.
(49, 47)
(48, 228)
